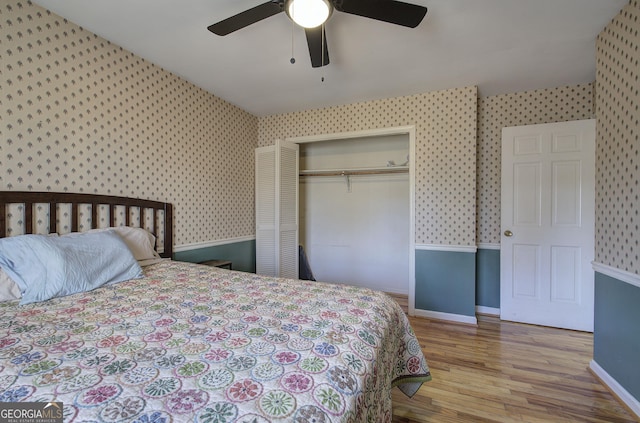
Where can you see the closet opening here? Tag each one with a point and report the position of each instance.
(355, 203)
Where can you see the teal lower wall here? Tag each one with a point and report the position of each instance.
(488, 278)
(241, 254)
(616, 332)
(446, 282)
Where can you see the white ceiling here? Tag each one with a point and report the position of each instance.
(501, 46)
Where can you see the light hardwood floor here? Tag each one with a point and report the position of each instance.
(506, 372)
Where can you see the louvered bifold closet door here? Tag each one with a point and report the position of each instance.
(266, 211)
(288, 209)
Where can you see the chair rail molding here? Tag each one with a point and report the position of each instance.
(621, 275)
(214, 243)
(449, 248)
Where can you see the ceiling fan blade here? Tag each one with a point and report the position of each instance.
(317, 46)
(395, 12)
(246, 18)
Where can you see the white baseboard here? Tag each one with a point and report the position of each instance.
(617, 389)
(458, 318)
(491, 311)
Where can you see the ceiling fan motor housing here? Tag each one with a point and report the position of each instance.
(308, 13)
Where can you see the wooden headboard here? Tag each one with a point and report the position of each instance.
(162, 217)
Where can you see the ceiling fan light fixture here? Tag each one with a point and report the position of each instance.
(309, 13)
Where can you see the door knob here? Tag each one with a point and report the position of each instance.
(508, 233)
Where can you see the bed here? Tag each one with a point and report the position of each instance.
(182, 341)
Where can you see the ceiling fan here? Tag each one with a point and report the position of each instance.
(313, 19)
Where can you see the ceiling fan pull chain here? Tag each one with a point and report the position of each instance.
(322, 49)
(293, 27)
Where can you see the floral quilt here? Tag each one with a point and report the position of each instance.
(194, 343)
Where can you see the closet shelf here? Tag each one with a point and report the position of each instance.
(354, 172)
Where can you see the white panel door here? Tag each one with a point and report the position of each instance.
(548, 208)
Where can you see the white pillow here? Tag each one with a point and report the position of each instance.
(9, 290)
(140, 241)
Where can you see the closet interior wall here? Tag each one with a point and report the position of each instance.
(354, 224)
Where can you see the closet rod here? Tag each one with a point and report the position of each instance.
(352, 172)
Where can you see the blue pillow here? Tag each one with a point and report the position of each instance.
(46, 267)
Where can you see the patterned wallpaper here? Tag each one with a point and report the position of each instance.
(80, 114)
(523, 108)
(617, 143)
(494, 113)
(445, 124)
